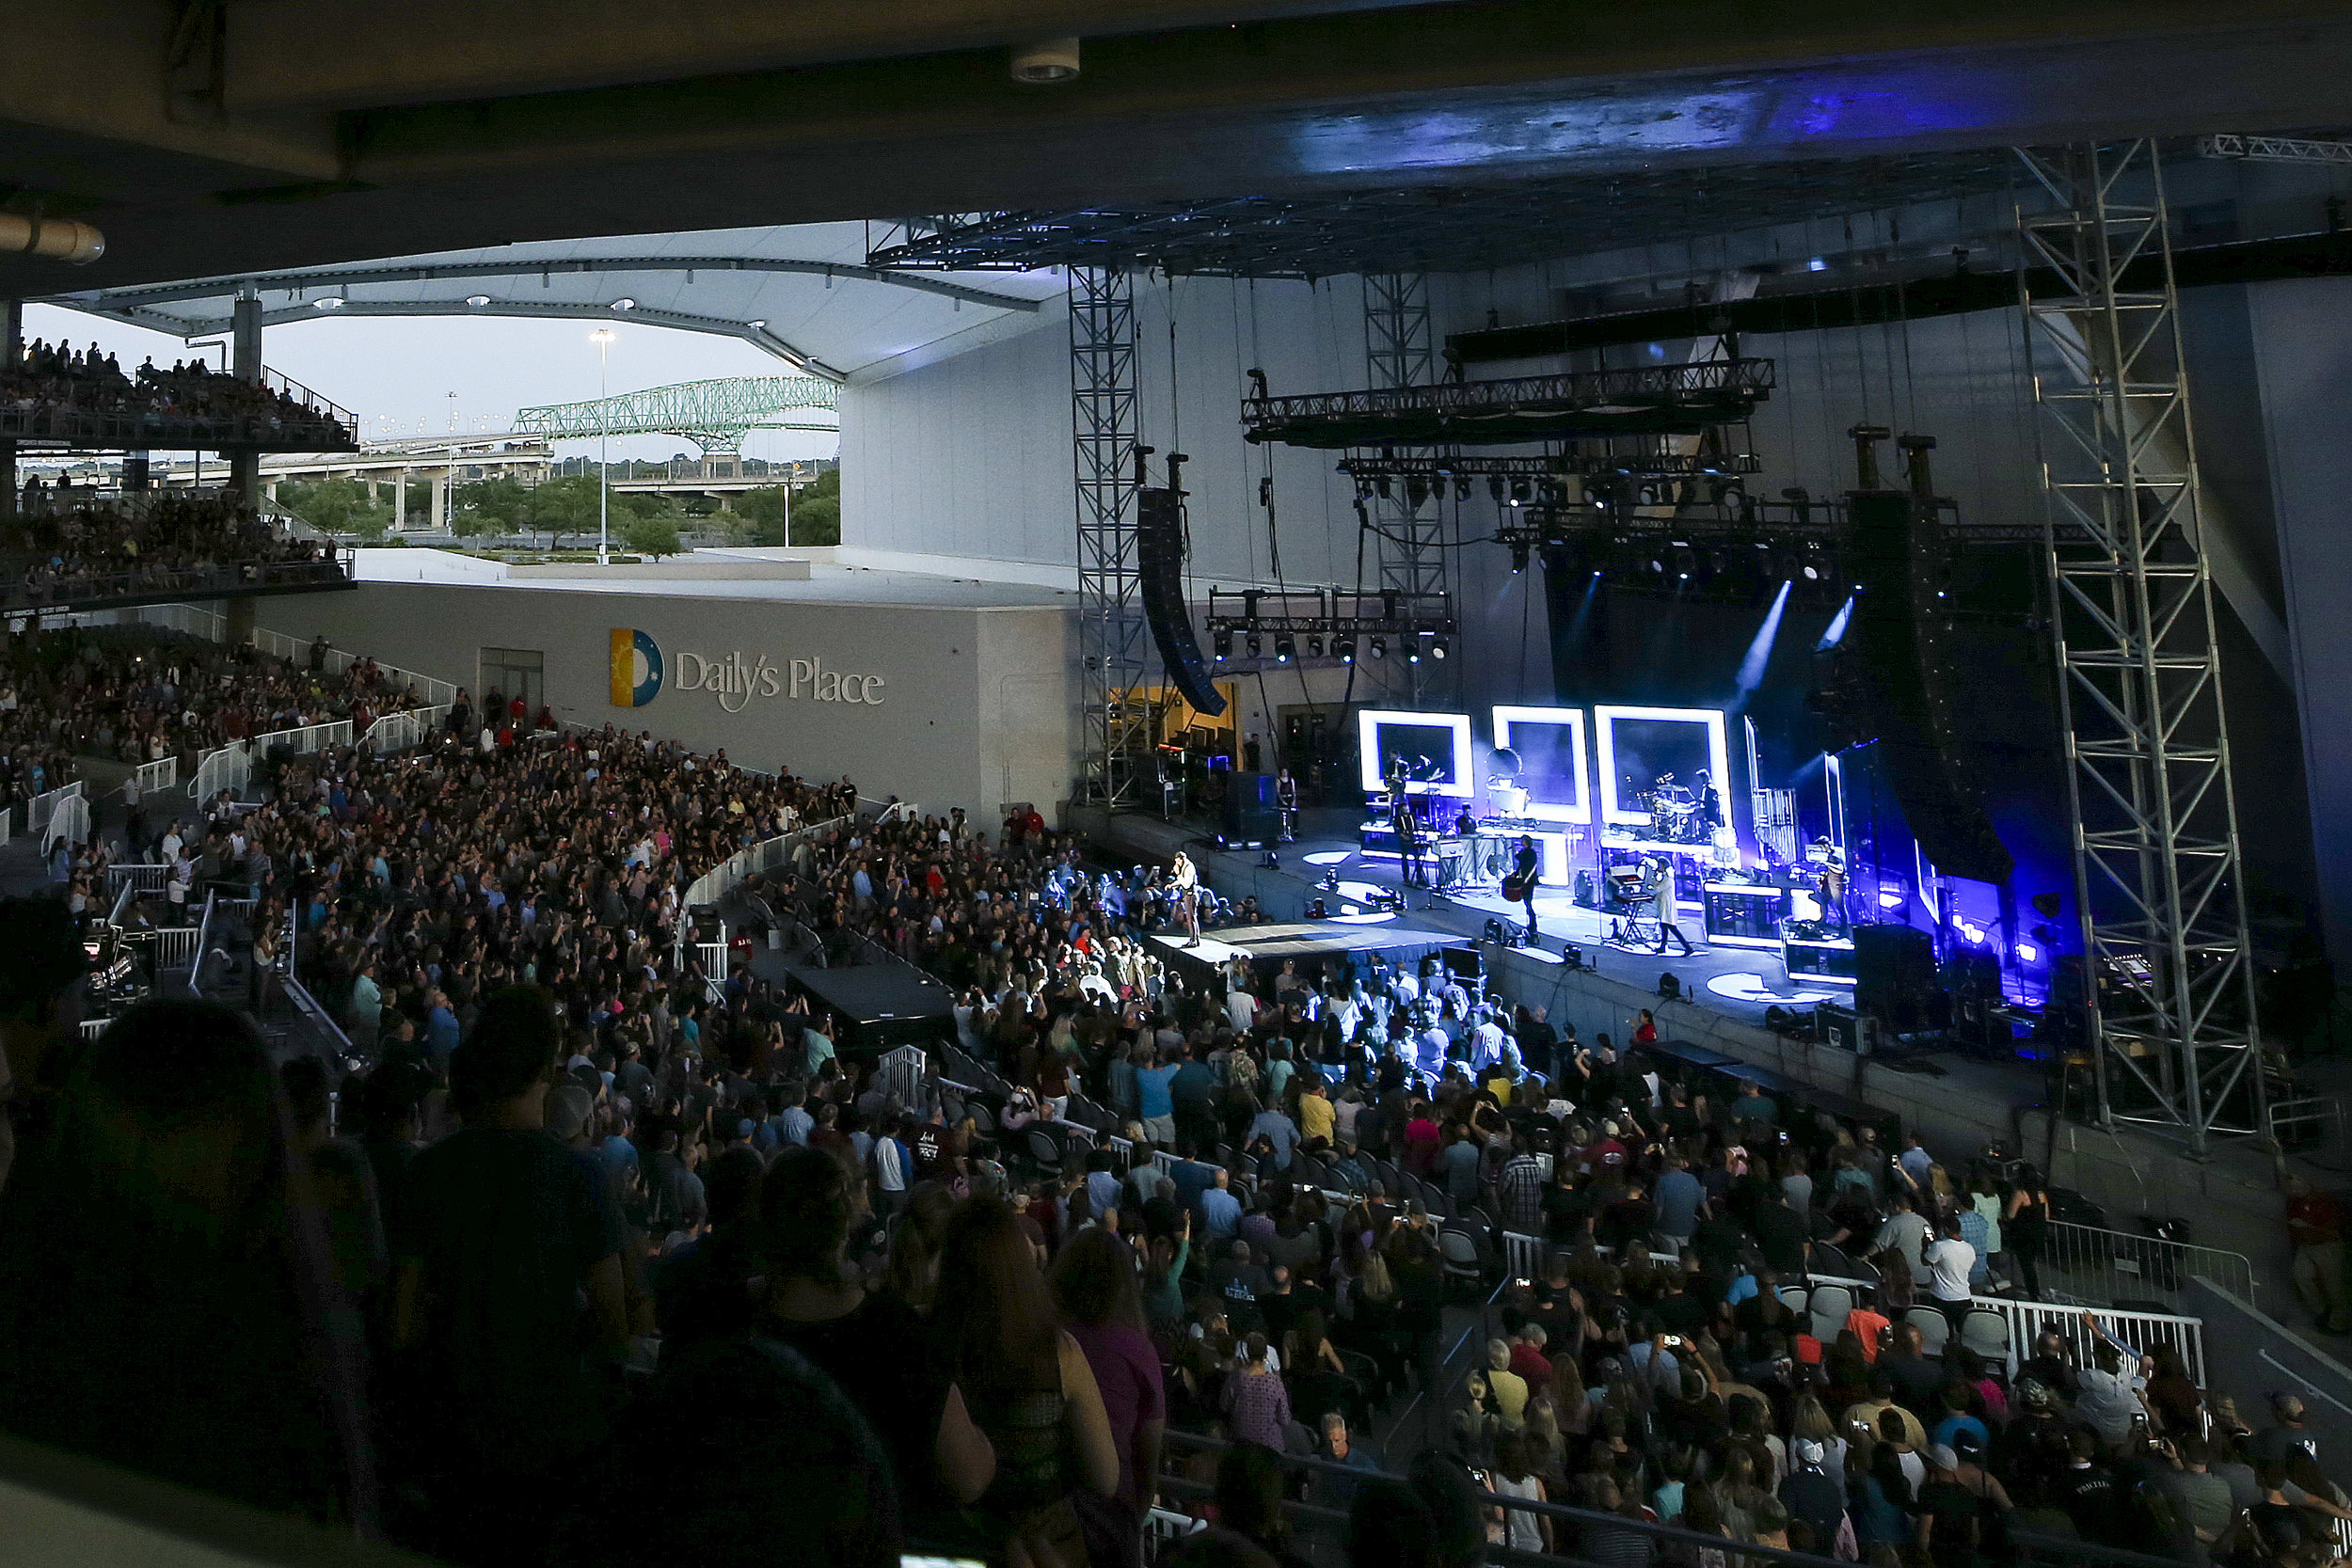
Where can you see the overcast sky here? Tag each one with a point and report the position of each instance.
(397, 373)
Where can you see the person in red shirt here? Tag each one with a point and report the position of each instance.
(2316, 1225)
(1422, 1139)
(1527, 1357)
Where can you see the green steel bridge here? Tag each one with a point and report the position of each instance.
(714, 414)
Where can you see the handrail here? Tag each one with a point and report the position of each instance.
(2127, 1265)
(203, 942)
(41, 807)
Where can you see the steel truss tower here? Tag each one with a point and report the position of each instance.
(1408, 542)
(1111, 639)
(2157, 878)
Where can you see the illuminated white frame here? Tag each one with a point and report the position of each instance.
(1572, 719)
(1717, 752)
(1369, 723)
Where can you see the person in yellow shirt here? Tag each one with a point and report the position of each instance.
(1316, 1114)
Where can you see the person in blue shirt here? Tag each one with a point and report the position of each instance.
(1220, 1211)
(1277, 1129)
(1192, 1177)
(1155, 1103)
(441, 1030)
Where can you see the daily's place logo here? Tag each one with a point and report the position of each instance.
(735, 680)
(636, 668)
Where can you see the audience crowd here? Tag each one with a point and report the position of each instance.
(59, 378)
(161, 543)
(591, 1254)
(137, 694)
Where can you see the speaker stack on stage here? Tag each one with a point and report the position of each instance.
(1160, 564)
(1894, 979)
(1253, 820)
(1894, 678)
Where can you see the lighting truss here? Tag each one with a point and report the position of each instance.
(2157, 876)
(1111, 635)
(1649, 400)
(1407, 528)
(1636, 456)
(2274, 150)
(1347, 611)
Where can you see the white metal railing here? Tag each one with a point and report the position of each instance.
(2099, 1266)
(2028, 1321)
(154, 777)
(7, 818)
(303, 738)
(69, 823)
(214, 627)
(223, 767)
(176, 947)
(398, 732)
(147, 878)
(44, 806)
(203, 936)
(1523, 1256)
(768, 854)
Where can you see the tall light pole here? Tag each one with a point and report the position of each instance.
(602, 338)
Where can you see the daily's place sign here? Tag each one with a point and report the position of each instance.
(639, 672)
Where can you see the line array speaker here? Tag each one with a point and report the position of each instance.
(1896, 633)
(1160, 562)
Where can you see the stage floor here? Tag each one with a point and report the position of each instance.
(1740, 982)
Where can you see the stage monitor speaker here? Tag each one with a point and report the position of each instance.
(1895, 976)
(1465, 963)
(1906, 681)
(1843, 1028)
(1160, 565)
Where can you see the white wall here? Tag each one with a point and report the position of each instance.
(971, 700)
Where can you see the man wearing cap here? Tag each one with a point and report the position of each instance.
(1810, 1493)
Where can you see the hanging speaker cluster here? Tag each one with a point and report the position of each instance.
(1160, 561)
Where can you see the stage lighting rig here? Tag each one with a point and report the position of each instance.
(1323, 622)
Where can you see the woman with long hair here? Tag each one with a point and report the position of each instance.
(1095, 1287)
(1032, 1391)
(872, 1345)
(2025, 1225)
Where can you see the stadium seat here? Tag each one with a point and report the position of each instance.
(1794, 1297)
(1933, 1327)
(1460, 1252)
(1987, 1334)
(1829, 1306)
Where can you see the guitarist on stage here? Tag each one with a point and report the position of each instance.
(1519, 886)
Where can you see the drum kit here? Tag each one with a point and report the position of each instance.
(1673, 815)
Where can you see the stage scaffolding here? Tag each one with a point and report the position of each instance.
(1407, 525)
(1106, 427)
(2158, 882)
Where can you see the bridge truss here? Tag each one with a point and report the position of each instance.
(714, 414)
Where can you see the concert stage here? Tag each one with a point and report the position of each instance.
(1307, 942)
(1737, 983)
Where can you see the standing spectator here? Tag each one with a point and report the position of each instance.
(1951, 1263)
(1095, 1287)
(1257, 1406)
(506, 1233)
(2315, 1228)
(1030, 1385)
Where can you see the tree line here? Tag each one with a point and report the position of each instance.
(643, 523)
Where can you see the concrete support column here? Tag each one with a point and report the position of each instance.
(440, 497)
(244, 351)
(11, 352)
(239, 616)
(400, 499)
